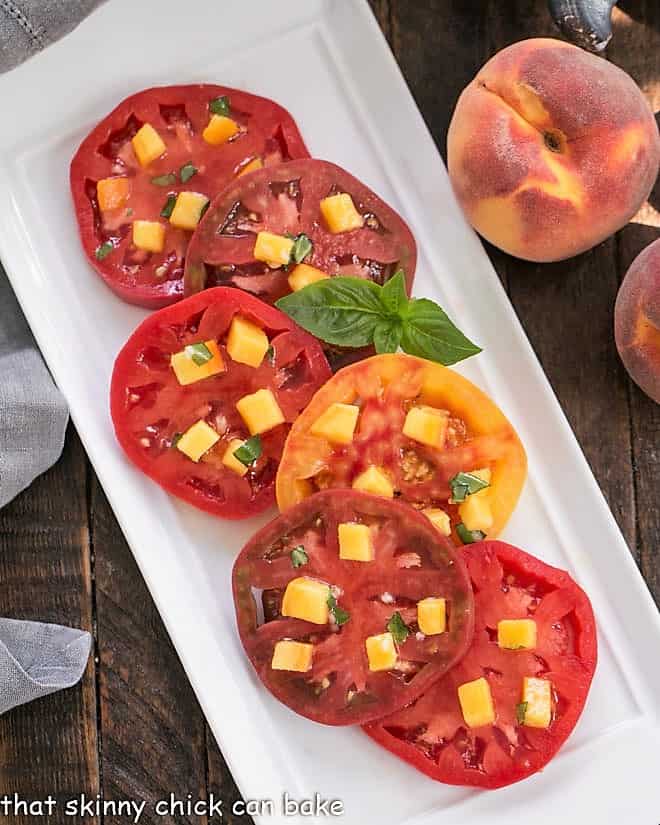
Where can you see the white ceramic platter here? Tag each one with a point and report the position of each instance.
(329, 65)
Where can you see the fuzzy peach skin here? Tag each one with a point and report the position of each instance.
(551, 150)
(637, 320)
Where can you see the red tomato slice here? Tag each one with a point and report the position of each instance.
(411, 561)
(432, 735)
(179, 114)
(286, 200)
(150, 408)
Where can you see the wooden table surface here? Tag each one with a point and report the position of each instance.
(133, 729)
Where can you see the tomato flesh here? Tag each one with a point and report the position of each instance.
(432, 735)
(286, 200)
(150, 408)
(411, 562)
(385, 387)
(179, 114)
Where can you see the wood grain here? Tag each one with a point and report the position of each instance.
(50, 746)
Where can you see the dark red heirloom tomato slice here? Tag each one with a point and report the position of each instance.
(266, 134)
(409, 561)
(151, 410)
(432, 734)
(286, 200)
(393, 399)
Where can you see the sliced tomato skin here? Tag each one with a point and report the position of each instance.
(391, 244)
(270, 120)
(385, 384)
(448, 767)
(356, 579)
(163, 333)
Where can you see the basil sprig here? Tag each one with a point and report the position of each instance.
(249, 451)
(465, 484)
(199, 354)
(353, 312)
(398, 628)
(299, 556)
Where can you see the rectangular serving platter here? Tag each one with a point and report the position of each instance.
(327, 62)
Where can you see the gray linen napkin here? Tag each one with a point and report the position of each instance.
(35, 659)
(38, 659)
(27, 26)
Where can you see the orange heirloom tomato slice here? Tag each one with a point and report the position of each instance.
(474, 436)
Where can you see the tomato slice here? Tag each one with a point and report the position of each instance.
(267, 134)
(286, 199)
(151, 409)
(411, 561)
(477, 437)
(432, 735)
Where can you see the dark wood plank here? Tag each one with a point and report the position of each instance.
(153, 741)
(636, 48)
(50, 746)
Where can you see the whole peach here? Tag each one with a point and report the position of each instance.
(637, 320)
(551, 150)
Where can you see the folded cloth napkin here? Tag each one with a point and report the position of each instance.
(37, 659)
(33, 414)
(27, 26)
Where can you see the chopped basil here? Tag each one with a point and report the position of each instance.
(521, 710)
(249, 451)
(270, 355)
(469, 536)
(187, 171)
(167, 210)
(164, 180)
(199, 354)
(299, 556)
(340, 615)
(398, 628)
(104, 250)
(219, 105)
(301, 248)
(464, 485)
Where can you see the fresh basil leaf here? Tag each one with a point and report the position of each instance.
(187, 171)
(387, 336)
(398, 628)
(164, 180)
(219, 105)
(428, 333)
(199, 354)
(465, 484)
(521, 710)
(340, 615)
(393, 293)
(249, 451)
(301, 248)
(299, 556)
(104, 250)
(168, 208)
(469, 536)
(339, 310)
